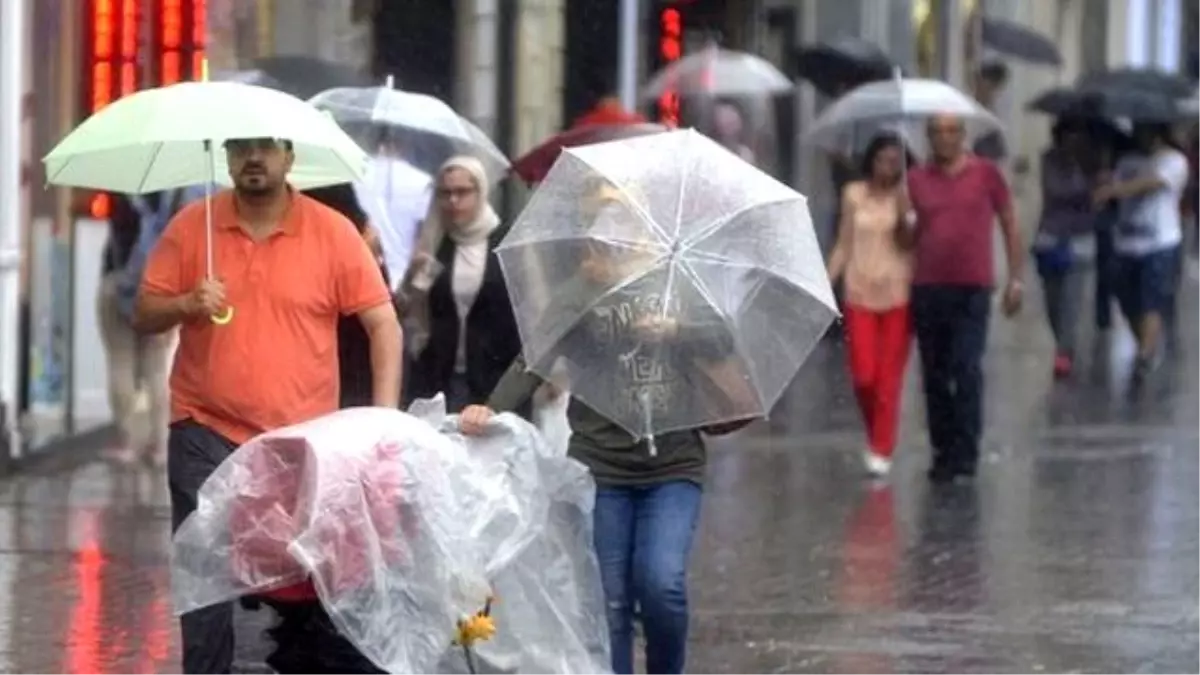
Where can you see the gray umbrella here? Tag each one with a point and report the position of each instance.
(1017, 41)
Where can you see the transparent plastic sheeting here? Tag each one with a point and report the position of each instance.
(405, 526)
(680, 285)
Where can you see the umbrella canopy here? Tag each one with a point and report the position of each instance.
(713, 71)
(902, 107)
(1142, 79)
(1016, 41)
(169, 137)
(306, 76)
(680, 286)
(1108, 103)
(422, 128)
(391, 519)
(535, 164)
(841, 64)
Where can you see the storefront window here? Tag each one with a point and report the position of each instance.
(46, 307)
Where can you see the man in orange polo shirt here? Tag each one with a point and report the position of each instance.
(288, 267)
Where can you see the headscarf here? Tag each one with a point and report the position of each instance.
(433, 230)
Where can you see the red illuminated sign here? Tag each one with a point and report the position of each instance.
(116, 52)
(670, 48)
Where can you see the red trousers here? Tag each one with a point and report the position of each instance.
(877, 346)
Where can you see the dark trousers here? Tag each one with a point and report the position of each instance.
(193, 453)
(1106, 289)
(951, 324)
(306, 641)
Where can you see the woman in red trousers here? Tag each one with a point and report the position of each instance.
(875, 267)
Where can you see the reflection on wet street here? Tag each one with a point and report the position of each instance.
(1076, 548)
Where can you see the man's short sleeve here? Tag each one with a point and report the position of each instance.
(359, 284)
(1172, 168)
(164, 272)
(997, 188)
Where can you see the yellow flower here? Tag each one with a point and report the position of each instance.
(477, 628)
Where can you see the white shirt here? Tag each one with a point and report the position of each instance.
(470, 262)
(396, 197)
(1151, 222)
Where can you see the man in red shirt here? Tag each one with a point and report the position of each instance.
(957, 199)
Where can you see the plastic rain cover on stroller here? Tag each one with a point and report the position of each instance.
(405, 527)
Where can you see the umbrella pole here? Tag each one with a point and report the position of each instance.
(644, 396)
(209, 266)
(208, 218)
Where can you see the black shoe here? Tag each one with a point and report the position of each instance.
(942, 474)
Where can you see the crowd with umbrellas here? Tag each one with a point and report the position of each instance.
(675, 230)
(678, 286)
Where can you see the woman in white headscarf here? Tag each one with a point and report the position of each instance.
(460, 323)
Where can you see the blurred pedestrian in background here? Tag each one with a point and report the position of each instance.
(1109, 144)
(990, 82)
(1148, 185)
(957, 198)
(394, 196)
(288, 267)
(137, 364)
(354, 345)
(1065, 245)
(876, 268)
(729, 130)
(461, 329)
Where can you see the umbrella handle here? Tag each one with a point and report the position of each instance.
(222, 318)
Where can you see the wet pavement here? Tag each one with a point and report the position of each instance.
(1076, 549)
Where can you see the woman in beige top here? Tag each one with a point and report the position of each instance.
(873, 262)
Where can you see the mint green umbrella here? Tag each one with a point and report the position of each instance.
(159, 139)
(170, 137)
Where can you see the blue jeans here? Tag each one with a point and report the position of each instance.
(643, 540)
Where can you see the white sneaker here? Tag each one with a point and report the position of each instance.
(877, 465)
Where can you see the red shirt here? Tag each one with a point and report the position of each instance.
(955, 217)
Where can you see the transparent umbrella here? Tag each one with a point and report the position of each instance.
(900, 106)
(422, 129)
(713, 71)
(680, 286)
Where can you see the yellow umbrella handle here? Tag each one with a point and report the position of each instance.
(223, 318)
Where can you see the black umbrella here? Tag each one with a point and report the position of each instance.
(1109, 103)
(305, 76)
(1144, 79)
(841, 64)
(1017, 41)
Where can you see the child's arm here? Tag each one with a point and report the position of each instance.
(515, 387)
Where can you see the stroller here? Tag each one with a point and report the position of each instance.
(305, 640)
(373, 533)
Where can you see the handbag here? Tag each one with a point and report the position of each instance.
(1053, 255)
